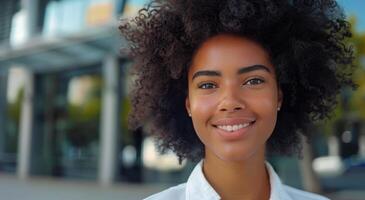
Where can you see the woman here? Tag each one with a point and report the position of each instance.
(227, 81)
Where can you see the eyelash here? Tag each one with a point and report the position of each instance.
(203, 86)
(255, 79)
(210, 85)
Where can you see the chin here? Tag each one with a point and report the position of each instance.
(236, 156)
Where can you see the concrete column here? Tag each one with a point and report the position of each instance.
(26, 117)
(333, 146)
(31, 9)
(309, 178)
(3, 106)
(109, 121)
(25, 129)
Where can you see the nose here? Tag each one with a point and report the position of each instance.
(231, 101)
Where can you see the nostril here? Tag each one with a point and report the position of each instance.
(231, 110)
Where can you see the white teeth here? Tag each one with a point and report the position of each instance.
(235, 127)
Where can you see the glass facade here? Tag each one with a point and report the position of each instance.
(11, 96)
(66, 123)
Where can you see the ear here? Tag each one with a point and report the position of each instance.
(187, 105)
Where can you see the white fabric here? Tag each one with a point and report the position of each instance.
(198, 188)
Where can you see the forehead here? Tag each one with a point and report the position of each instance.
(224, 52)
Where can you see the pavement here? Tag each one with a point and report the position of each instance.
(347, 195)
(41, 188)
(12, 188)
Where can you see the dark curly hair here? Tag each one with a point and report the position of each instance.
(306, 40)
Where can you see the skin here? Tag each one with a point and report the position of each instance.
(232, 81)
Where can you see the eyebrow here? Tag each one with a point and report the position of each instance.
(240, 71)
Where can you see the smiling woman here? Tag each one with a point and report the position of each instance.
(233, 97)
(227, 82)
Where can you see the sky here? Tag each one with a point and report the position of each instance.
(355, 8)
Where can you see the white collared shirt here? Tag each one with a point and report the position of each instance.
(198, 188)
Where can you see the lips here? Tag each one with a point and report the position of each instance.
(233, 128)
(233, 121)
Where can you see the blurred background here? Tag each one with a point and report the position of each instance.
(64, 105)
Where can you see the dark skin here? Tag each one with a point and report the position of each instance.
(233, 100)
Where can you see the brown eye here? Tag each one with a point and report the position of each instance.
(254, 81)
(207, 86)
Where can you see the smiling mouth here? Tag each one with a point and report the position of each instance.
(234, 127)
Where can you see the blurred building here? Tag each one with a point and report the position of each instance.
(63, 103)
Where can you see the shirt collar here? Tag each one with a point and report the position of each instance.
(277, 191)
(198, 188)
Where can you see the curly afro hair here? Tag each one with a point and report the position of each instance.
(306, 41)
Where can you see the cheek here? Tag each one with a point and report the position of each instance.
(202, 108)
(268, 112)
(265, 106)
(265, 100)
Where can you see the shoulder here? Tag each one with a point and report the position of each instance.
(302, 195)
(176, 193)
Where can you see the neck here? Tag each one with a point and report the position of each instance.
(246, 179)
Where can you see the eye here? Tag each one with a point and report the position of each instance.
(254, 81)
(207, 86)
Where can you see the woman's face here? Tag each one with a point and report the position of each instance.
(233, 97)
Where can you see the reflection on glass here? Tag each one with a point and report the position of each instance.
(11, 96)
(67, 113)
(132, 6)
(73, 16)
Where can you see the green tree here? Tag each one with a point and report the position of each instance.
(357, 101)
(83, 120)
